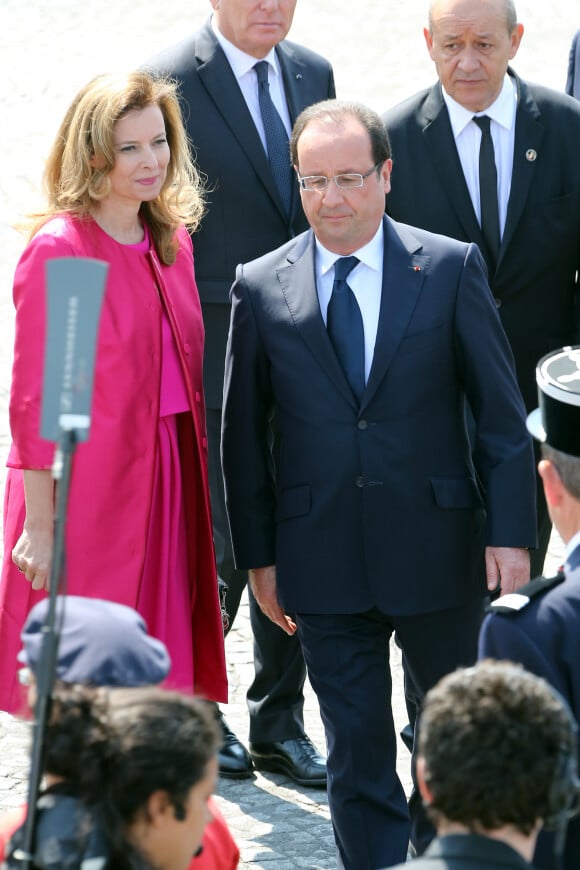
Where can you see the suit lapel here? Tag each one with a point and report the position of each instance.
(298, 284)
(528, 140)
(217, 77)
(447, 165)
(404, 273)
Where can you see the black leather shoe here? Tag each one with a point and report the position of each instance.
(233, 758)
(298, 758)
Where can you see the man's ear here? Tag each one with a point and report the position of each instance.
(553, 486)
(158, 807)
(429, 41)
(424, 790)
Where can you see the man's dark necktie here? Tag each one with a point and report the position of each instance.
(276, 137)
(345, 326)
(488, 189)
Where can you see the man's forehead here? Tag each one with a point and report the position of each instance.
(462, 12)
(329, 131)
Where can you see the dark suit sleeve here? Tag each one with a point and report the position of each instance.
(246, 454)
(502, 452)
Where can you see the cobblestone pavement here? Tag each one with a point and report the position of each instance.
(47, 51)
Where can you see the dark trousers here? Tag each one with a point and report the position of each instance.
(275, 697)
(348, 663)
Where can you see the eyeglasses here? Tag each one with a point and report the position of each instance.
(345, 180)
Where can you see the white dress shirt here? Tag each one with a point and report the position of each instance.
(468, 138)
(242, 65)
(365, 281)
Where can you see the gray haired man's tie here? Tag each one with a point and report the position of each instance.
(276, 137)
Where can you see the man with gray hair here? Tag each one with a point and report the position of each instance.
(486, 157)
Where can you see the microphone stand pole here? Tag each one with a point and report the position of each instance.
(61, 472)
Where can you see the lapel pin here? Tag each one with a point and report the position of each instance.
(416, 268)
(531, 154)
(298, 75)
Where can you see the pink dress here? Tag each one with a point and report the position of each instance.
(164, 598)
(138, 527)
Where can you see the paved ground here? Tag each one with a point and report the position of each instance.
(47, 51)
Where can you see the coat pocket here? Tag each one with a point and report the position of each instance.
(293, 502)
(459, 493)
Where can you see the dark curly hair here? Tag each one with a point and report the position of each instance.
(493, 738)
(116, 747)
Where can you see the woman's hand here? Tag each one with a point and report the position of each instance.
(32, 555)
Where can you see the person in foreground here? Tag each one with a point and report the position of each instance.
(513, 189)
(225, 70)
(370, 517)
(540, 626)
(496, 761)
(102, 644)
(139, 766)
(121, 187)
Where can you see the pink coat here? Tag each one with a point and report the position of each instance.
(112, 474)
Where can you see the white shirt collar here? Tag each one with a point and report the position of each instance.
(571, 546)
(240, 62)
(502, 110)
(370, 254)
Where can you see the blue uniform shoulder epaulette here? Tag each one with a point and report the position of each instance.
(513, 602)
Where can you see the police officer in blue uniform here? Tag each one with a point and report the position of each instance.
(539, 626)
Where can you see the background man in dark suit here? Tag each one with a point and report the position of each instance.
(535, 134)
(540, 626)
(370, 517)
(246, 217)
(485, 781)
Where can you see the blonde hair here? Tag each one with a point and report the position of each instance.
(75, 181)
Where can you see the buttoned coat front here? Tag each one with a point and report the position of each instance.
(378, 505)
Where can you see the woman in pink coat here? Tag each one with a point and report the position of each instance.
(121, 187)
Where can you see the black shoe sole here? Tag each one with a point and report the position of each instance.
(230, 774)
(278, 765)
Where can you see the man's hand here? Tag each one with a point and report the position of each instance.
(509, 566)
(263, 583)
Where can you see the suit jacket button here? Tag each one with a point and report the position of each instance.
(362, 425)
(497, 301)
(360, 482)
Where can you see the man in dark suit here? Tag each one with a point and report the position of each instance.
(370, 516)
(486, 783)
(540, 626)
(535, 134)
(246, 216)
